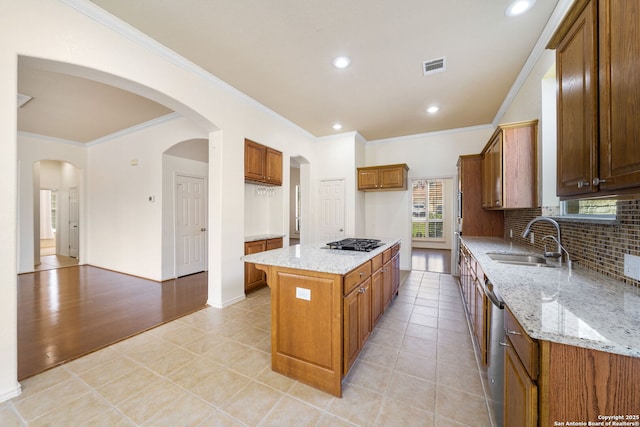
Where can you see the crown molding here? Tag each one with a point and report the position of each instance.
(50, 138)
(133, 129)
(115, 24)
(431, 134)
(556, 17)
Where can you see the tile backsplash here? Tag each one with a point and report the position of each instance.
(594, 246)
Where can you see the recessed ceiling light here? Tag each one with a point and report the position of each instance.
(518, 7)
(337, 126)
(341, 62)
(432, 110)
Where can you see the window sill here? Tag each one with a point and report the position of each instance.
(586, 219)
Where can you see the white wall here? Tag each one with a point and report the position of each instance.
(95, 47)
(294, 174)
(388, 213)
(125, 228)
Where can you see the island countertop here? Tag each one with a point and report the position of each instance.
(579, 308)
(317, 257)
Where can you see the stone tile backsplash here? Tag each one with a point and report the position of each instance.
(596, 247)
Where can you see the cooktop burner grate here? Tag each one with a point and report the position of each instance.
(353, 244)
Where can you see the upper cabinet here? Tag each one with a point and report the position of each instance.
(598, 87)
(383, 178)
(262, 164)
(509, 171)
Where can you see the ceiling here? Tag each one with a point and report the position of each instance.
(280, 54)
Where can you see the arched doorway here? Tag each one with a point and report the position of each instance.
(56, 214)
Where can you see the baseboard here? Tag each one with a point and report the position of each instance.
(227, 303)
(10, 394)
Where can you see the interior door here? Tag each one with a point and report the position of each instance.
(191, 225)
(331, 209)
(74, 232)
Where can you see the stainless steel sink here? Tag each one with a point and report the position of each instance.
(520, 259)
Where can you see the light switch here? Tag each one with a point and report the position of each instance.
(302, 293)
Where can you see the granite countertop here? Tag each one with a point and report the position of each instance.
(316, 257)
(262, 237)
(579, 308)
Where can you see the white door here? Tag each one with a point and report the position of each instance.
(74, 232)
(331, 210)
(191, 225)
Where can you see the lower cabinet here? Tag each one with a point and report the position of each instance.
(521, 393)
(254, 278)
(357, 322)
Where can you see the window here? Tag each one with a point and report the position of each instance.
(427, 211)
(589, 208)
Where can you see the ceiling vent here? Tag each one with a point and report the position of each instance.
(433, 66)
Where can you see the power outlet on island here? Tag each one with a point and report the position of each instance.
(632, 266)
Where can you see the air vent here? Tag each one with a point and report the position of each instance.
(433, 66)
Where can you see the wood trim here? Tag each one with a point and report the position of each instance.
(568, 20)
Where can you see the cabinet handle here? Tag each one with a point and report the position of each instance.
(361, 274)
(597, 181)
(497, 202)
(362, 290)
(503, 344)
(583, 184)
(510, 332)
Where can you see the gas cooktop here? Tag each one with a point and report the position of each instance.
(353, 244)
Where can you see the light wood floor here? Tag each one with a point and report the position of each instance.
(67, 313)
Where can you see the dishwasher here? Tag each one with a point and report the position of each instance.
(495, 356)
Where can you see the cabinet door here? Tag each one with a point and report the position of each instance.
(387, 284)
(577, 91)
(520, 393)
(367, 179)
(357, 322)
(619, 62)
(395, 275)
(480, 321)
(273, 166)
(274, 243)
(495, 179)
(376, 296)
(253, 278)
(392, 177)
(254, 160)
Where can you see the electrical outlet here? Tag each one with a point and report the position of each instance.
(511, 234)
(632, 266)
(532, 238)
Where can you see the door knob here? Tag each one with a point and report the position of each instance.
(203, 229)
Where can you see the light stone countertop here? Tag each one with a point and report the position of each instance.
(583, 309)
(313, 257)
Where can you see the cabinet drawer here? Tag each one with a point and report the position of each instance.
(386, 256)
(356, 276)
(376, 263)
(524, 346)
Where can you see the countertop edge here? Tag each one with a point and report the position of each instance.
(585, 291)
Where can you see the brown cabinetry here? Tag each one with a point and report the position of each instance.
(520, 375)
(475, 301)
(475, 221)
(509, 171)
(262, 164)
(383, 178)
(357, 321)
(254, 278)
(597, 58)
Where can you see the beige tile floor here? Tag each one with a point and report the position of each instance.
(212, 368)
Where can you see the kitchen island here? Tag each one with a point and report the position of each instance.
(324, 304)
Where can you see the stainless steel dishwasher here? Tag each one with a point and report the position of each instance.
(495, 356)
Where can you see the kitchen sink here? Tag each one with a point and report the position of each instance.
(520, 259)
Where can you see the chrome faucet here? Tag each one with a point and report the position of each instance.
(527, 230)
(558, 255)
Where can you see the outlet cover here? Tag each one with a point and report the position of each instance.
(632, 266)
